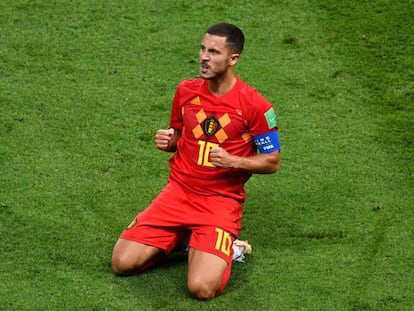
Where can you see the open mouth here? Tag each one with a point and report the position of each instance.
(204, 67)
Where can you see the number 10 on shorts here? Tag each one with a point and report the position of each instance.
(223, 242)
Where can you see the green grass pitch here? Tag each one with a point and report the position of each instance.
(84, 85)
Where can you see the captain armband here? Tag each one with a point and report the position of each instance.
(267, 142)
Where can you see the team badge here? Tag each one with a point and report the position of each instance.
(210, 126)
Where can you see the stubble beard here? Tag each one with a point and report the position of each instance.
(215, 76)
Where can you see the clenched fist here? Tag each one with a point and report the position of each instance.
(220, 157)
(163, 138)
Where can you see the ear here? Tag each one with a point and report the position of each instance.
(234, 59)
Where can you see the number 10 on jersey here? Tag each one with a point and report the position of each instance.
(223, 242)
(204, 152)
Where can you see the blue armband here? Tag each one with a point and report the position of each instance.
(268, 142)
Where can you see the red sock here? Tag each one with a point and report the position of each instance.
(226, 277)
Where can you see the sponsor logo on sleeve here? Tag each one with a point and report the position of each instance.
(270, 116)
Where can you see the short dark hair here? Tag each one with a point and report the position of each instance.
(234, 35)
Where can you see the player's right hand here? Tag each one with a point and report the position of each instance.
(163, 138)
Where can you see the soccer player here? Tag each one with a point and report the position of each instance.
(221, 132)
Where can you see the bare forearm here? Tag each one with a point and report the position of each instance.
(260, 164)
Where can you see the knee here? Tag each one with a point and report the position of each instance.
(131, 258)
(122, 265)
(201, 290)
(119, 265)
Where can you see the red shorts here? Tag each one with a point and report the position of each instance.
(211, 222)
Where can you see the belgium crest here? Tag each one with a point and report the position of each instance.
(210, 126)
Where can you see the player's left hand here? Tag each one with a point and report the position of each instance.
(220, 157)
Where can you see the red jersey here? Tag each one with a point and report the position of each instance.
(230, 121)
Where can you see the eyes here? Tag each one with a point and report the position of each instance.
(213, 51)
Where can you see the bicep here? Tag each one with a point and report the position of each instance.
(271, 160)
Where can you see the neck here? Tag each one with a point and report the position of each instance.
(222, 85)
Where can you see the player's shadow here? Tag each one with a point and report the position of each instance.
(175, 259)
